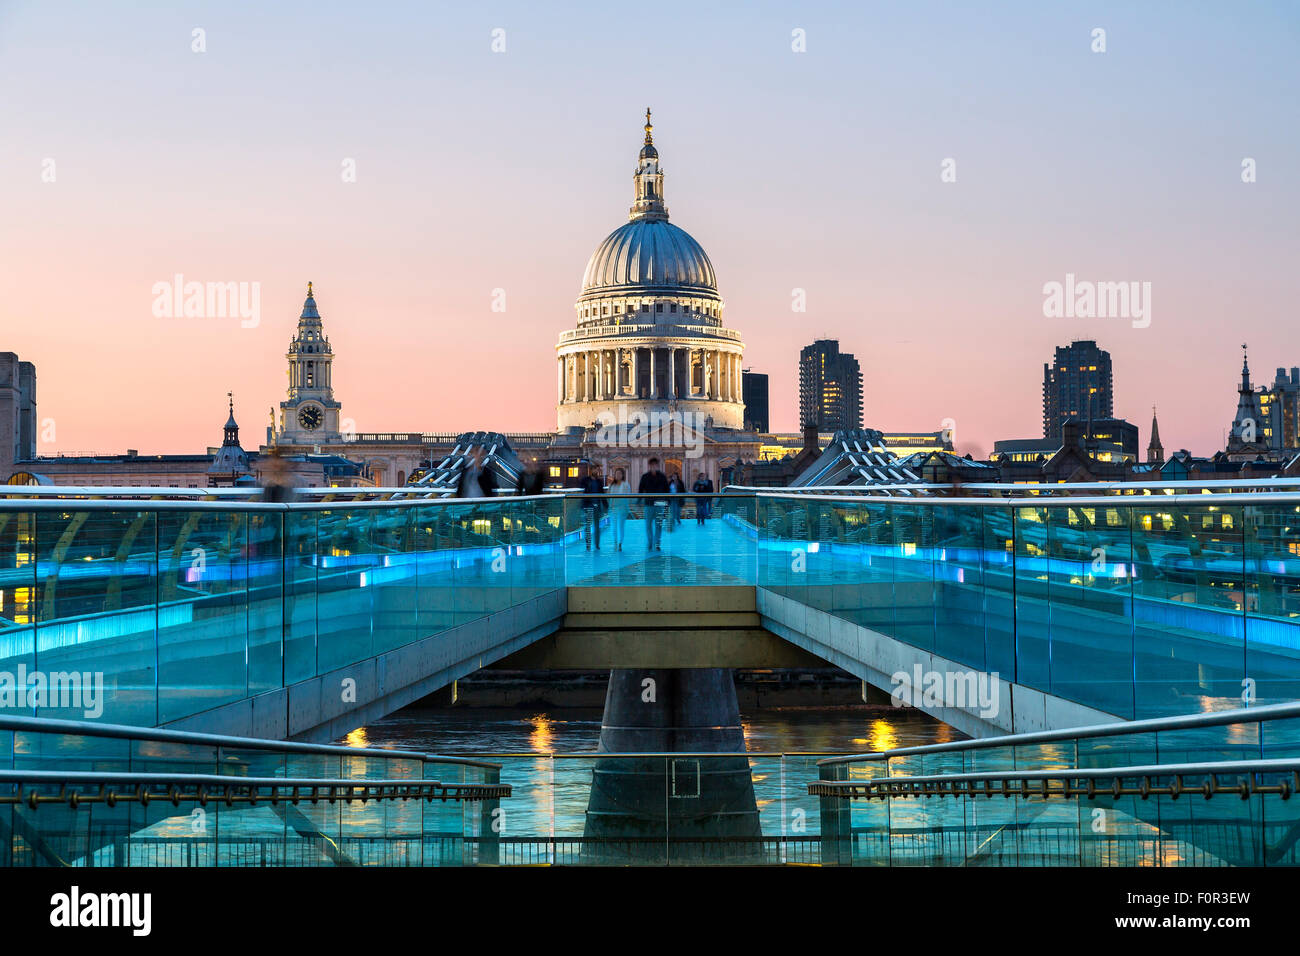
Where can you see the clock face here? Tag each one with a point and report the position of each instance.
(309, 417)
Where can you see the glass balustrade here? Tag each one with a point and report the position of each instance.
(1135, 605)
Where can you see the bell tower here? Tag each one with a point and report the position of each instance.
(310, 416)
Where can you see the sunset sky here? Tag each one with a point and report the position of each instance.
(478, 171)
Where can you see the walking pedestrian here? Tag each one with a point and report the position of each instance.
(654, 486)
(619, 506)
(593, 508)
(703, 502)
(677, 489)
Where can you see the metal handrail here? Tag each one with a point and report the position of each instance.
(1095, 501)
(593, 754)
(148, 504)
(162, 734)
(964, 784)
(218, 788)
(146, 499)
(1037, 485)
(1123, 728)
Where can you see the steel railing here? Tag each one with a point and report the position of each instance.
(31, 789)
(1248, 778)
(1124, 728)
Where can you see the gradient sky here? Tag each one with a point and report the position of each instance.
(476, 171)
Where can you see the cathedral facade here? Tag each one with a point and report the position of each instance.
(649, 370)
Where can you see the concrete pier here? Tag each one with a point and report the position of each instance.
(689, 808)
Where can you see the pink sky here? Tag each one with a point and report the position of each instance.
(477, 171)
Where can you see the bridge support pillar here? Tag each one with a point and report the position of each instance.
(672, 809)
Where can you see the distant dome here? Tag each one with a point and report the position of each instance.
(649, 254)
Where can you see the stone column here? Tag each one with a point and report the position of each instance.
(636, 393)
(559, 378)
(654, 384)
(672, 372)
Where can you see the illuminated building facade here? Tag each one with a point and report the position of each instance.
(650, 337)
(1077, 384)
(830, 388)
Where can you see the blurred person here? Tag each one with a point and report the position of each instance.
(703, 502)
(654, 486)
(619, 507)
(592, 507)
(274, 475)
(476, 481)
(675, 488)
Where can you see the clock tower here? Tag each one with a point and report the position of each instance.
(311, 415)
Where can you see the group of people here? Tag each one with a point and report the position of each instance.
(478, 481)
(653, 484)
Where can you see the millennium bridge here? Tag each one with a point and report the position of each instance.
(1124, 659)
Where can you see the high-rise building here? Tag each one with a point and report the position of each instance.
(754, 387)
(830, 387)
(1077, 384)
(1280, 405)
(17, 410)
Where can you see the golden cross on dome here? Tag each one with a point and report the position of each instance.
(309, 289)
(648, 127)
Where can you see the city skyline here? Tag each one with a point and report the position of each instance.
(924, 280)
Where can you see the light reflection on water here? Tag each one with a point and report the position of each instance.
(550, 795)
(476, 731)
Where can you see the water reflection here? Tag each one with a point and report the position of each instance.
(548, 756)
(464, 731)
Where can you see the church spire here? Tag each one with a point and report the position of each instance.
(648, 180)
(1247, 435)
(1155, 450)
